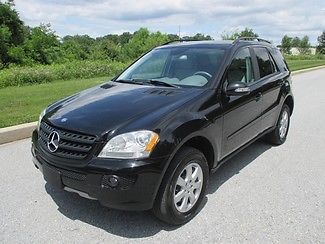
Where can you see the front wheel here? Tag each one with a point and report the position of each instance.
(183, 187)
(279, 135)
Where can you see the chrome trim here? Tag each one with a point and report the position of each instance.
(243, 89)
(80, 193)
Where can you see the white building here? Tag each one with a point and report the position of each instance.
(295, 51)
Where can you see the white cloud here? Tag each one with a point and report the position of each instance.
(270, 19)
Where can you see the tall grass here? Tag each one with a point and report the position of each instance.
(18, 76)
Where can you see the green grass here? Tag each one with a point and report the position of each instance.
(304, 64)
(24, 104)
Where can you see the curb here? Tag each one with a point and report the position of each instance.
(17, 132)
(22, 131)
(307, 70)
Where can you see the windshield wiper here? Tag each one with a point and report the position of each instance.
(128, 81)
(155, 82)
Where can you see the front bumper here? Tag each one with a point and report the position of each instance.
(135, 189)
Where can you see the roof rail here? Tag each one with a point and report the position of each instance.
(169, 42)
(180, 40)
(249, 38)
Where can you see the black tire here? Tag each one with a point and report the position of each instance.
(274, 136)
(164, 207)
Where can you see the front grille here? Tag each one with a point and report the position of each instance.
(71, 145)
(73, 175)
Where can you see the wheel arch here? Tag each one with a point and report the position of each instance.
(204, 145)
(197, 141)
(201, 143)
(289, 101)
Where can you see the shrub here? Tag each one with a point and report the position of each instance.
(18, 76)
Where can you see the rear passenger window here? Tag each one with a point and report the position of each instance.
(279, 60)
(264, 61)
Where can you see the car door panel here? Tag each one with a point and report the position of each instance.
(271, 100)
(242, 114)
(242, 119)
(272, 82)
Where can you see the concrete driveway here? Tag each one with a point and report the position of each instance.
(264, 194)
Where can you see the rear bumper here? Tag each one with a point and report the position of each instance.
(134, 186)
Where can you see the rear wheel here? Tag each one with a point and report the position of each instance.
(183, 187)
(279, 135)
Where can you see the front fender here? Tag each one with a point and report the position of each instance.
(181, 131)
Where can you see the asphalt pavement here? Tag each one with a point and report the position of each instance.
(264, 194)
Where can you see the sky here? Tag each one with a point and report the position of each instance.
(270, 19)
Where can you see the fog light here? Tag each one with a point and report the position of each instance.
(110, 180)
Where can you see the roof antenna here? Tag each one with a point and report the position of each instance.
(179, 32)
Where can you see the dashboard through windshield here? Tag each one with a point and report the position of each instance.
(179, 66)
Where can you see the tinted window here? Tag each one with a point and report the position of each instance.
(182, 66)
(276, 54)
(264, 62)
(152, 67)
(241, 67)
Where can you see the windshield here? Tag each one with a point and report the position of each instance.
(180, 66)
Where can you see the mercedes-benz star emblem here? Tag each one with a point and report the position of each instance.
(53, 143)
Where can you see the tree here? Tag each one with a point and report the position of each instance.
(321, 43)
(286, 44)
(12, 31)
(77, 47)
(295, 42)
(125, 38)
(10, 18)
(5, 36)
(105, 50)
(72, 50)
(43, 45)
(173, 37)
(117, 39)
(247, 32)
(304, 45)
(18, 55)
(141, 42)
(197, 37)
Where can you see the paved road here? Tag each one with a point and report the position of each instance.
(264, 194)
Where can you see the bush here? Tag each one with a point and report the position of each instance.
(18, 76)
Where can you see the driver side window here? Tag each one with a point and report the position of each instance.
(241, 68)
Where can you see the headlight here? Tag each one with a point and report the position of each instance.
(138, 144)
(40, 119)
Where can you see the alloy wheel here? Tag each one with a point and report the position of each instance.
(284, 122)
(188, 187)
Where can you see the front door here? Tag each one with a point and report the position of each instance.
(242, 114)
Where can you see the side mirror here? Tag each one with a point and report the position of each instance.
(237, 89)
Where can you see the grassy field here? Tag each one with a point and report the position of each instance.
(304, 64)
(23, 104)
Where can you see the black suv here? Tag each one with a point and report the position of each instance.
(149, 138)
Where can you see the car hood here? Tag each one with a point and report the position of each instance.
(107, 107)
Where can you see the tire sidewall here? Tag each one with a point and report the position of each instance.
(284, 108)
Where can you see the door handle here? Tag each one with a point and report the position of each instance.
(258, 96)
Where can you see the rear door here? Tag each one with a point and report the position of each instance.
(271, 80)
(242, 114)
